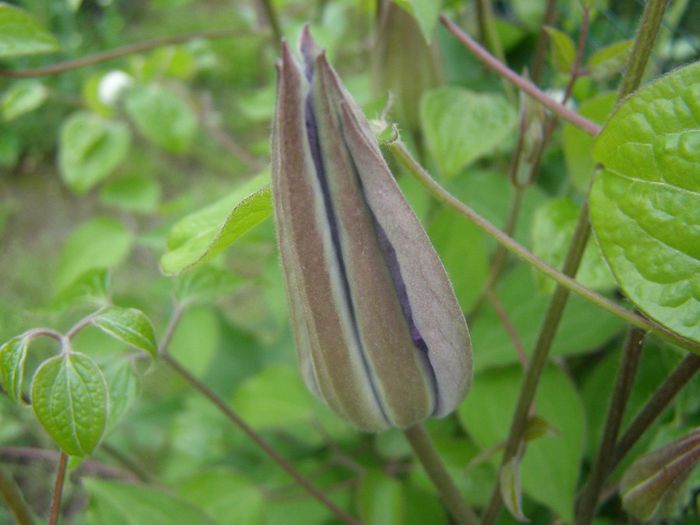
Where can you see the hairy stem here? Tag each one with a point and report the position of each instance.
(586, 505)
(58, 489)
(444, 197)
(10, 493)
(425, 451)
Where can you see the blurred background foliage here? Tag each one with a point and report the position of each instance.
(98, 164)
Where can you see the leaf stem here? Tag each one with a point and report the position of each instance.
(58, 489)
(587, 502)
(525, 85)
(233, 416)
(272, 19)
(425, 451)
(444, 197)
(542, 41)
(15, 501)
(118, 52)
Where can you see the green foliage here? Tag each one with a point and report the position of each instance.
(129, 326)
(563, 49)
(22, 34)
(12, 356)
(22, 98)
(425, 12)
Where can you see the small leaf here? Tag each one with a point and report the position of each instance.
(130, 326)
(201, 235)
(12, 356)
(563, 49)
(645, 202)
(91, 287)
(124, 388)
(90, 148)
(133, 194)
(163, 117)
(204, 283)
(425, 12)
(22, 98)
(609, 60)
(462, 126)
(380, 499)
(509, 482)
(21, 33)
(70, 400)
(538, 427)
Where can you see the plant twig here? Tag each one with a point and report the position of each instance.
(508, 326)
(443, 196)
(425, 451)
(587, 503)
(58, 489)
(272, 19)
(542, 41)
(9, 491)
(525, 85)
(118, 52)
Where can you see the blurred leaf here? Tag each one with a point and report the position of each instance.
(21, 33)
(204, 283)
(530, 12)
(538, 427)
(91, 287)
(578, 144)
(74, 5)
(462, 250)
(645, 201)
(425, 12)
(461, 126)
(609, 60)
(70, 400)
(227, 497)
(90, 148)
(422, 507)
(133, 193)
(118, 503)
(552, 231)
(23, 97)
(380, 499)
(563, 49)
(130, 326)
(123, 386)
(199, 236)
(173, 61)
(196, 339)
(100, 243)
(511, 492)
(526, 307)
(550, 466)
(163, 117)
(12, 356)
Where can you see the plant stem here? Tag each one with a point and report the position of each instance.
(642, 47)
(58, 489)
(525, 85)
(444, 197)
(118, 52)
(489, 35)
(542, 41)
(658, 402)
(13, 498)
(272, 19)
(425, 451)
(587, 503)
(538, 360)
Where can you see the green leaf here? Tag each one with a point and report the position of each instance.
(563, 49)
(461, 126)
(119, 503)
(70, 400)
(91, 287)
(100, 243)
(609, 60)
(225, 496)
(526, 308)
(133, 193)
(462, 250)
(380, 499)
(22, 98)
(128, 325)
(552, 230)
(425, 12)
(645, 202)
(578, 144)
(511, 492)
(204, 283)
(196, 339)
(21, 33)
(550, 466)
(90, 148)
(163, 117)
(124, 388)
(203, 234)
(12, 356)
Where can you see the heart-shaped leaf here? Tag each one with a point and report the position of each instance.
(12, 356)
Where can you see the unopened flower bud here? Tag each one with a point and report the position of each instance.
(380, 336)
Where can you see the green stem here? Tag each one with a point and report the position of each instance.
(587, 503)
(425, 451)
(58, 489)
(237, 420)
(13, 498)
(642, 47)
(542, 41)
(272, 19)
(111, 54)
(444, 197)
(489, 34)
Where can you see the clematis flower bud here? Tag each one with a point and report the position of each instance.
(379, 333)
